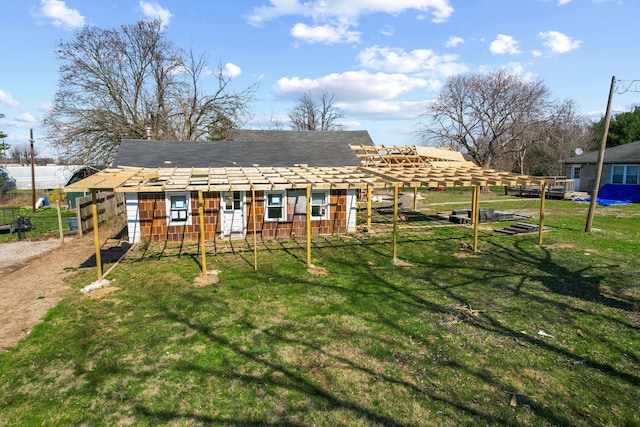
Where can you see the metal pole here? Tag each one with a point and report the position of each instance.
(33, 173)
(603, 145)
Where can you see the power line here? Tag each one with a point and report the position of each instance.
(625, 86)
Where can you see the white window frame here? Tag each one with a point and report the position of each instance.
(177, 218)
(625, 173)
(268, 203)
(322, 208)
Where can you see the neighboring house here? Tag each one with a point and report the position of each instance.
(78, 174)
(278, 212)
(621, 165)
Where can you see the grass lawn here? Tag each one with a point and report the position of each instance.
(45, 219)
(454, 339)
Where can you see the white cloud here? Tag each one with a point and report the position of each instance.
(7, 99)
(563, 2)
(454, 41)
(504, 45)
(349, 10)
(387, 30)
(536, 53)
(415, 61)
(59, 14)
(326, 34)
(558, 42)
(353, 85)
(231, 70)
(384, 110)
(25, 118)
(155, 11)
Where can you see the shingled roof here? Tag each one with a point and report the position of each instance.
(246, 149)
(625, 153)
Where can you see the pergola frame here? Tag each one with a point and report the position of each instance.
(383, 167)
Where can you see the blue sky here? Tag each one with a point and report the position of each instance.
(383, 60)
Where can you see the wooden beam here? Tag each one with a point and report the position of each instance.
(369, 196)
(255, 229)
(203, 240)
(96, 237)
(475, 212)
(541, 224)
(308, 226)
(395, 224)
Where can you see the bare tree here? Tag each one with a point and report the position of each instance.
(22, 153)
(125, 82)
(489, 116)
(321, 115)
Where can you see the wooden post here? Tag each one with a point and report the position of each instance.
(541, 224)
(603, 145)
(96, 237)
(395, 224)
(475, 213)
(369, 196)
(415, 198)
(255, 229)
(203, 240)
(33, 173)
(79, 219)
(60, 223)
(308, 226)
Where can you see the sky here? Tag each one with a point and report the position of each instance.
(384, 61)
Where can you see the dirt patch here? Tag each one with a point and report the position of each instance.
(33, 281)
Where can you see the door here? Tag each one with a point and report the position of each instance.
(233, 217)
(575, 175)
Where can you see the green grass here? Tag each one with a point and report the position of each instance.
(452, 340)
(45, 219)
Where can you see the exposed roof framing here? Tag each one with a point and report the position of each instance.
(140, 180)
(440, 174)
(408, 156)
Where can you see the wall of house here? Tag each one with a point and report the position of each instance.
(147, 217)
(588, 176)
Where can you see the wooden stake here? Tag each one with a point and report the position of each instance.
(475, 213)
(96, 237)
(369, 196)
(203, 240)
(415, 198)
(395, 224)
(255, 229)
(60, 223)
(541, 224)
(308, 226)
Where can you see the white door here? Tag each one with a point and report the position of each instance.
(575, 175)
(233, 217)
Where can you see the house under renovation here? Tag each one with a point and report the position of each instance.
(270, 183)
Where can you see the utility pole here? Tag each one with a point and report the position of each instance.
(603, 145)
(33, 173)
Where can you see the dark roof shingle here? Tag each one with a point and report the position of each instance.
(248, 148)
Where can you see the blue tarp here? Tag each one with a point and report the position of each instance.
(616, 194)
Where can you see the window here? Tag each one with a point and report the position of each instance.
(576, 172)
(624, 174)
(178, 208)
(320, 205)
(276, 206)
